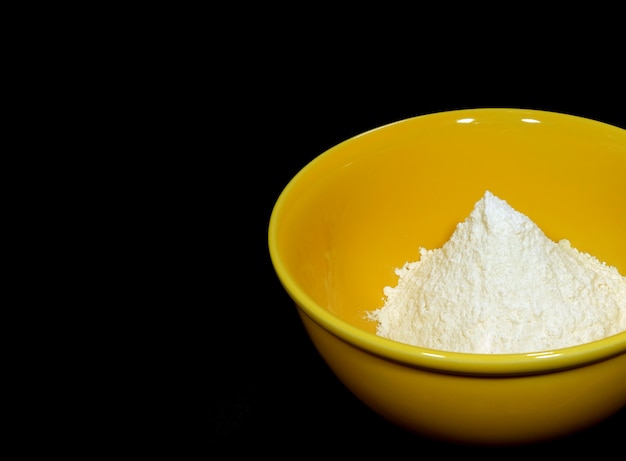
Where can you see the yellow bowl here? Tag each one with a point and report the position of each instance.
(364, 207)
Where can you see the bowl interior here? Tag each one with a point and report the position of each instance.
(364, 207)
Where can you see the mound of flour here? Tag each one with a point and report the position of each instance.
(499, 285)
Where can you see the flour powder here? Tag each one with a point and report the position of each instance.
(499, 285)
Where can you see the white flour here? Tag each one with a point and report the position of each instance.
(499, 285)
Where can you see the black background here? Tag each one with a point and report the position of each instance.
(247, 377)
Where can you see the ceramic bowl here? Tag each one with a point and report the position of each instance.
(363, 208)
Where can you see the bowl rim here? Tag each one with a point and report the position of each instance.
(422, 357)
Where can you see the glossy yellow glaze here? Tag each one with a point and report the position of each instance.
(364, 207)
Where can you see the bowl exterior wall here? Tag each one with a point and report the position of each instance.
(475, 410)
